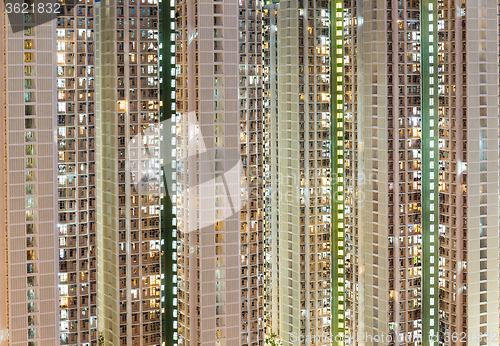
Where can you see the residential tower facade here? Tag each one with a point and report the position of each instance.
(251, 153)
(128, 172)
(76, 197)
(209, 174)
(297, 170)
(29, 299)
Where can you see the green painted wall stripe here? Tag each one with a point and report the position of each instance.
(337, 164)
(168, 257)
(430, 172)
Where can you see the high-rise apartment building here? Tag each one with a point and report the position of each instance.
(219, 138)
(28, 181)
(271, 192)
(209, 174)
(76, 199)
(468, 158)
(250, 94)
(297, 170)
(421, 178)
(128, 171)
(383, 232)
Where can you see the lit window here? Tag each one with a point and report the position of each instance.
(29, 57)
(29, 31)
(29, 44)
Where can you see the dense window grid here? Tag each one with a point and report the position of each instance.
(401, 100)
(209, 181)
(29, 204)
(76, 175)
(128, 178)
(297, 128)
(250, 94)
(271, 192)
